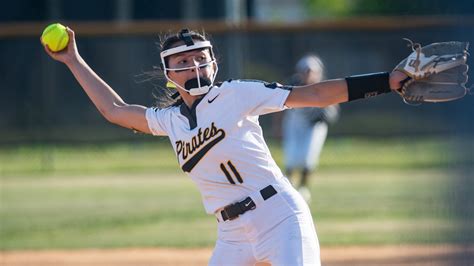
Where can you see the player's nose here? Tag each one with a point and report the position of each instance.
(196, 65)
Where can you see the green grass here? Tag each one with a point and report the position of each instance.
(366, 192)
(368, 207)
(102, 211)
(88, 159)
(344, 153)
(394, 207)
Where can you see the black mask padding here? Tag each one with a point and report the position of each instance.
(193, 83)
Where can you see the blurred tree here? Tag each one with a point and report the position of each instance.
(341, 8)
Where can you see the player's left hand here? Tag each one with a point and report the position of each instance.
(397, 78)
(438, 72)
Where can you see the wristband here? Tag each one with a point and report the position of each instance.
(367, 85)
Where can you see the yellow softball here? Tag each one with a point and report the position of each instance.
(55, 36)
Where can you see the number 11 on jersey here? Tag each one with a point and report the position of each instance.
(234, 171)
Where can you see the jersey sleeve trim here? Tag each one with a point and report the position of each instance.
(153, 124)
(286, 93)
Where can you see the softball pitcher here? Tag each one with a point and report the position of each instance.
(218, 141)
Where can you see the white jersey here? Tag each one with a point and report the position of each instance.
(219, 142)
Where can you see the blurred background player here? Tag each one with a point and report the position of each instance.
(305, 129)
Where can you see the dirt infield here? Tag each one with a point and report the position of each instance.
(387, 255)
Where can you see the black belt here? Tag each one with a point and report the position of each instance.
(233, 211)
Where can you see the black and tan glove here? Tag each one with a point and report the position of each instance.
(437, 72)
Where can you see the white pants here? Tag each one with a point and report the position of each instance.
(279, 231)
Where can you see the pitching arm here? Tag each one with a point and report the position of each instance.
(107, 101)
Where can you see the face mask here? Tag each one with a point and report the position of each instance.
(200, 85)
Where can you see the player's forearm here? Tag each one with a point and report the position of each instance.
(330, 92)
(320, 94)
(343, 90)
(101, 94)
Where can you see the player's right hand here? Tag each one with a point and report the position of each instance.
(68, 54)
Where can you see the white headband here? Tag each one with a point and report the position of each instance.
(184, 48)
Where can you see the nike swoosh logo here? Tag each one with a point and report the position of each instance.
(247, 204)
(211, 100)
